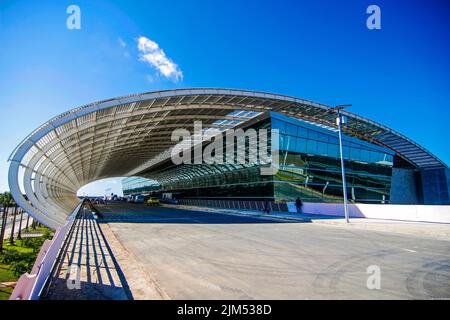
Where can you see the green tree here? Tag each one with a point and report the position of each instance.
(6, 200)
(11, 236)
(19, 234)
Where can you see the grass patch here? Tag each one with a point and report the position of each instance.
(6, 274)
(19, 258)
(5, 292)
(17, 246)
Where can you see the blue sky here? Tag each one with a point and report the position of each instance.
(318, 50)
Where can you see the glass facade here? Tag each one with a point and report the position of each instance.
(222, 181)
(309, 168)
(138, 185)
(436, 186)
(310, 165)
(218, 181)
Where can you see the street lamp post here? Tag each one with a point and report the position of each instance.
(339, 121)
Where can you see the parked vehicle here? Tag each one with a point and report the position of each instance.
(139, 199)
(153, 201)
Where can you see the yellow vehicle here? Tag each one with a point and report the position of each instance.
(153, 201)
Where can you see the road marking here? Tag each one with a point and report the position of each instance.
(409, 250)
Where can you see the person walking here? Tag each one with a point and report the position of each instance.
(299, 205)
(266, 206)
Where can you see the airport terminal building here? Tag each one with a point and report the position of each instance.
(131, 137)
(309, 168)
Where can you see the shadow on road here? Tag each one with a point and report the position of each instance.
(86, 268)
(139, 213)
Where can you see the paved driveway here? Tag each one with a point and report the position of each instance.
(201, 255)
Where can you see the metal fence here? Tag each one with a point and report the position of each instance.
(256, 205)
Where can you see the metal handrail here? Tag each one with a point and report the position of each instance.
(30, 286)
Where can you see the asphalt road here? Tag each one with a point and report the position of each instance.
(200, 255)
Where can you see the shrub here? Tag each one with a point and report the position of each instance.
(21, 267)
(34, 243)
(21, 262)
(48, 235)
(8, 256)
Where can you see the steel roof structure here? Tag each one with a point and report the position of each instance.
(125, 136)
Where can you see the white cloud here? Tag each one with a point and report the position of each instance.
(151, 53)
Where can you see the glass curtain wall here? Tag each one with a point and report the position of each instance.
(137, 185)
(219, 181)
(310, 165)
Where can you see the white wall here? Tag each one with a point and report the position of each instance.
(380, 211)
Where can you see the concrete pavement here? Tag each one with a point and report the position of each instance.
(430, 230)
(190, 254)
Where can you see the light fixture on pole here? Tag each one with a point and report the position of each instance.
(340, 119)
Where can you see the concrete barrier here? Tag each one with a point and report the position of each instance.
(23, 288)
(44, 249)
(422, 213)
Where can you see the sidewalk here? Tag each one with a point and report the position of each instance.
(439, 231)
(9, 225)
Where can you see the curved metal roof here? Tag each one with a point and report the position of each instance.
(126, 135)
